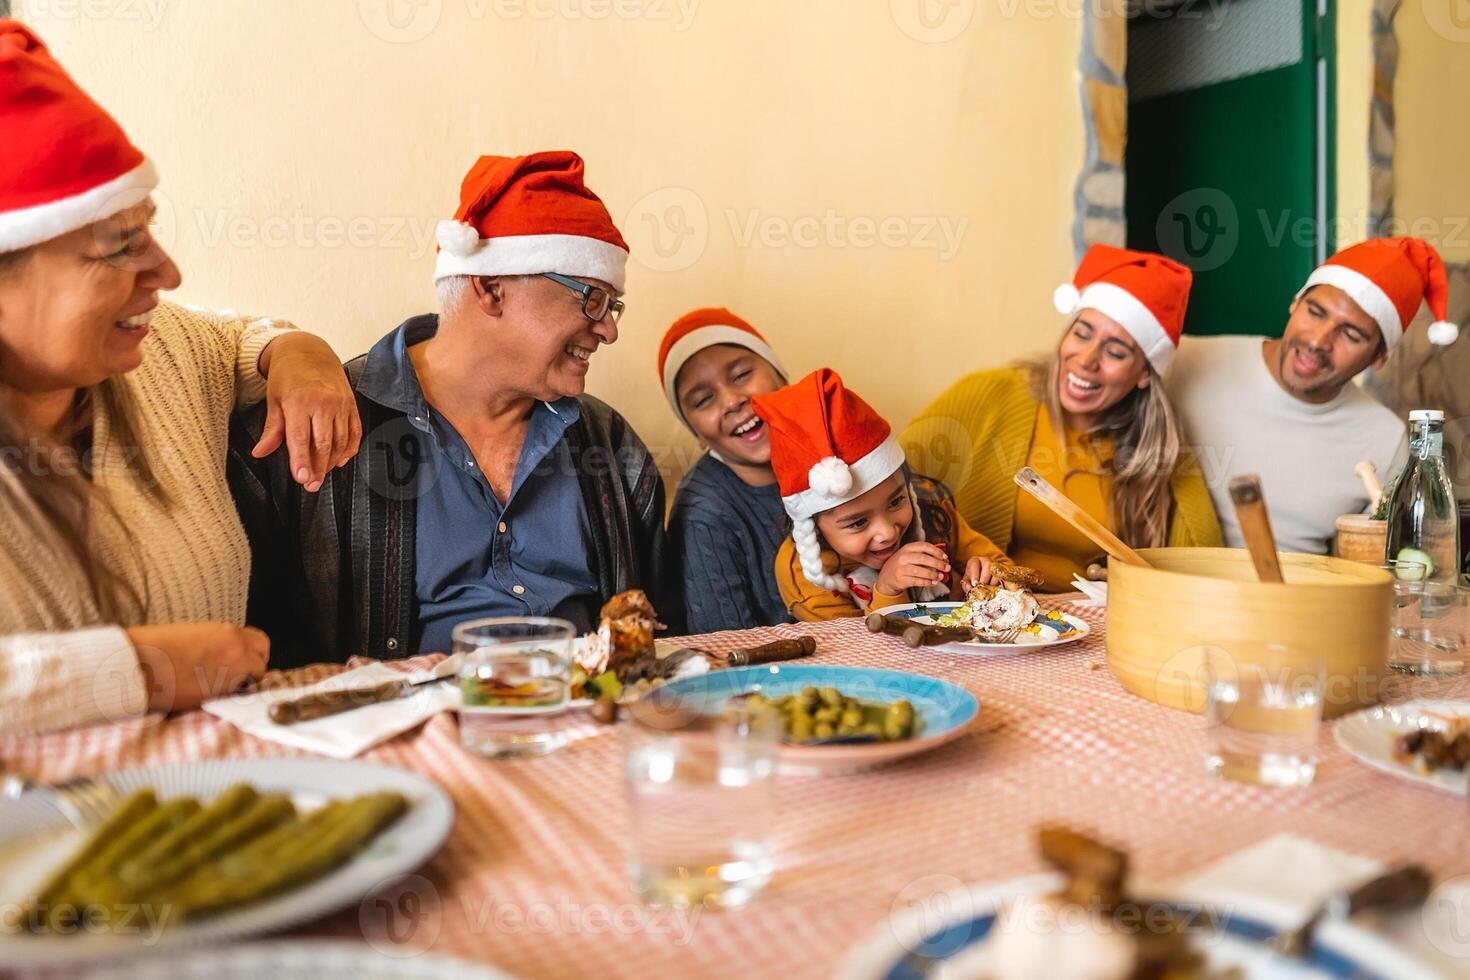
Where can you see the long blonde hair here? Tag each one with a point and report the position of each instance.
(61, 503)
(1146, 450)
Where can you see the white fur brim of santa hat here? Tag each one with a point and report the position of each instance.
(704, 338)
(834, 483)
(1131, 314)
(26, 227)
(1363, 291)
(1375, 302)
(464, 253)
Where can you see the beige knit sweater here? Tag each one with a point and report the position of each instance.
(60, 665)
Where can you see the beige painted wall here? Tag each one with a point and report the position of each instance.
(1354, 97)
(1432, 186)
(878, 193)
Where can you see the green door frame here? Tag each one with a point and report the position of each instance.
(1322, 47)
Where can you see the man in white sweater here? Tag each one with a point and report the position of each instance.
(1288, 409)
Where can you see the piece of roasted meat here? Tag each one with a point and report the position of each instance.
(1435, 749)
(1018, 577)
(624, 633)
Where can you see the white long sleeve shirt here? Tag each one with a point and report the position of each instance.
(1238, 420)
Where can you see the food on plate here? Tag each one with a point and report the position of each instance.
(1018, 577)
(992, 610)
(625, 630)
(1090, 929)
(817, 714)
(186, 859)
(620, 660)
(1429, 749)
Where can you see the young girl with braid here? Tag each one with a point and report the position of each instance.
(866, 533)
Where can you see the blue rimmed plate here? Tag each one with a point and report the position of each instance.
(1054, 632)
(942, 711)
(947, 936)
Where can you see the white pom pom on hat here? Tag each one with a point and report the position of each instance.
(457, 238)
(1442, 333)
(830, 477)
(1065, 298)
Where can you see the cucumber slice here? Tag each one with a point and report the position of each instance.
(1412, 574)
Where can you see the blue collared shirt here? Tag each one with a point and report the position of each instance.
(473, 557)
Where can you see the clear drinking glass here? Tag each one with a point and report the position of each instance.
(701, 801)
(514, 684)
(1429, 629)
(1264, 718)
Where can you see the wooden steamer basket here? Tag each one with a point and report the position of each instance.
(1162, 620)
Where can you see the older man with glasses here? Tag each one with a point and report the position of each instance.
(490, 483)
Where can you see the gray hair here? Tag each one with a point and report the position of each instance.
(452, 292)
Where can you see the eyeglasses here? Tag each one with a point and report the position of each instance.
(596, 301)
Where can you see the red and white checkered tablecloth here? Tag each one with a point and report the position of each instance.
(532, 878)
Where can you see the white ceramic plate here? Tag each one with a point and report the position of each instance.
(295, 960)
(1049, 636)
(1369, 736)
(945, 937)
(35, 838)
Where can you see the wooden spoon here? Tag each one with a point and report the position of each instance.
(1255, 526)
(1031, 481)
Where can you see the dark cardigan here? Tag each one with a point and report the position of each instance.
(333, 571)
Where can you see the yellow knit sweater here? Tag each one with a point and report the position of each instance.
(60, 665)
(977, 435)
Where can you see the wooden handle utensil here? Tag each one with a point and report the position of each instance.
(916, 634)
(1368, 473)
(1032, 482)
(327, 703)
(773, 652)
(1255, 526)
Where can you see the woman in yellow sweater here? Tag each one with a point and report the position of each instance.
(866, 533)
(1092, 419)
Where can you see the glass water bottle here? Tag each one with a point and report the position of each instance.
(1423, 519)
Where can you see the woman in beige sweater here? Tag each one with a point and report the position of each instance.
(124, 571)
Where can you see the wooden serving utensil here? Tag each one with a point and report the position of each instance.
(1255, 526)
(1032, 482)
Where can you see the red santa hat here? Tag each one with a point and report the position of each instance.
(521, 216)
(1145, 292)
(701, 329)
(828, 446)
(1388, 277)
(66, 162)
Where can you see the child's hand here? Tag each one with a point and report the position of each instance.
(917, 565)
(978, 571)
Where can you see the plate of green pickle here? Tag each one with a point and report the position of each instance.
(836, 719)
(207, 852)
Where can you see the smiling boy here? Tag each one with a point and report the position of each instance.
(725, 526)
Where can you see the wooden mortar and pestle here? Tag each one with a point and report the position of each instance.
(1359, 536)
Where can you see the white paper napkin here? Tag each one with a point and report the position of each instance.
(1096, 592)
(1286, 869)
(1297, 875)
(351, 733)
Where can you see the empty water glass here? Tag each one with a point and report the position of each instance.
(1263, 717)
(701, 800)
(513, 682)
